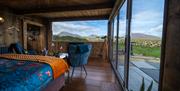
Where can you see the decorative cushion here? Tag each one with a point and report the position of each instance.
(82, 48)
(72, 48)
(17, 48)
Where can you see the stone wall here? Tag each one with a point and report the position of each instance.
(171, 79)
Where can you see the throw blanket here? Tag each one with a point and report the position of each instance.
(59, 66)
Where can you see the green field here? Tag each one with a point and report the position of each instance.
(69, 39)
(147, 51)
(145, 47)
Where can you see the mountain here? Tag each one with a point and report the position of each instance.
(93, 36)
(143, 36)
(68, 34)
(70, 39)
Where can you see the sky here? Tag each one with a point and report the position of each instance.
(147, 18)
(82, 28)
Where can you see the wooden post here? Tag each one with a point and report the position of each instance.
(171, 75)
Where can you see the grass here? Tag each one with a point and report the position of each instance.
(147, 51)
(144, 50)
(69, 39)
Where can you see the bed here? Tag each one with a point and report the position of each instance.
(19, 73)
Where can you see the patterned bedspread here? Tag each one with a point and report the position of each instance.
(24, 75)
(58, 65)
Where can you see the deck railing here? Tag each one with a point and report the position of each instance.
(98, 49)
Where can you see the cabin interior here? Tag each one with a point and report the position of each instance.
(113, 64)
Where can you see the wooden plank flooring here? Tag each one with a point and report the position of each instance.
(100, 78)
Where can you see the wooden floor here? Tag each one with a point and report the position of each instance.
(100, 78)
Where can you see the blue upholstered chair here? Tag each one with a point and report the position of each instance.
(78, 55)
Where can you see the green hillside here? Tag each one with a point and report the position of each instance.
(69, 39)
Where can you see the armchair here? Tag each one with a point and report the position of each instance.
(78, 55)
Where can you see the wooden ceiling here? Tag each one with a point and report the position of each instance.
(61, 9)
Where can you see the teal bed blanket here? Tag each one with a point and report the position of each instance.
(24, 75)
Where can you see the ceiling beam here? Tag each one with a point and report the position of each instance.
(63, 9)
(82, 18)
(118, 4)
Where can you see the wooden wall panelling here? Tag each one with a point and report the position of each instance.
(37, 44)
(9, 29)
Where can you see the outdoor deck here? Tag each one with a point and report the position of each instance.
(142, 67)
(100, 78)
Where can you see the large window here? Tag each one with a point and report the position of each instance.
(137, 52)
(80, 31)
(121, 39)
(114, 39)
(146, 35)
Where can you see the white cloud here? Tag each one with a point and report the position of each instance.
(147, 15)
(147, 22)
(122, 28)
(157, 31)
(157, 28)
(81, 28)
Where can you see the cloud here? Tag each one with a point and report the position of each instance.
(157, 31)
(122, 28)
(147, 17)
(147, 22)
(157, 28)
(83, 28)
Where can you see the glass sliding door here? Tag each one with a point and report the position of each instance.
(121, 40)
(110, 39)
(145, 42)
(114, 41)
(136, 43)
